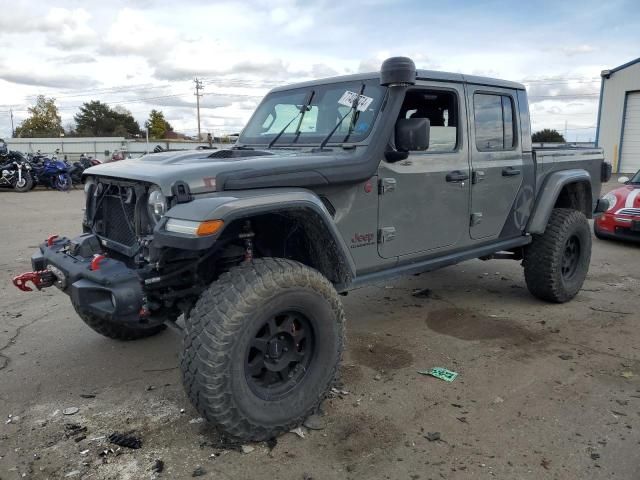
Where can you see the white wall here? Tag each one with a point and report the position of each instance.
(613, 95)
(96, 146)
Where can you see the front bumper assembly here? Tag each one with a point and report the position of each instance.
(98, 285)
(617, 226)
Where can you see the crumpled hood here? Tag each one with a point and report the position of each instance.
(201, 169)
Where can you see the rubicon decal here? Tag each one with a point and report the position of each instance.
(362, 239)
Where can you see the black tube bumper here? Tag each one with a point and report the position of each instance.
(112, 291)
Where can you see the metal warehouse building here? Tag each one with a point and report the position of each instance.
(618, 131)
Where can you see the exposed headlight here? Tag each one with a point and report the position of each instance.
(193, 228)
(611, 199)
(156, 204)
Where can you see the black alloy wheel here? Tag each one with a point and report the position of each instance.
(262, 347)
(571, 257)
(279, 355)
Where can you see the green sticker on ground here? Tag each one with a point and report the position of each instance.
(441, 373)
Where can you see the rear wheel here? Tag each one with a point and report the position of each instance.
(556, 263)
(262, 347)
(119, 331)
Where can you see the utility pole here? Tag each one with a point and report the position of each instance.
(566, 139)
(12, 129)
(198, 95)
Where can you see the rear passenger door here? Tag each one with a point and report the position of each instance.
(496, 159)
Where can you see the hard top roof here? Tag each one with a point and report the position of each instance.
(421, 75)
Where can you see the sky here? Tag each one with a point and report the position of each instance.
(144, 54)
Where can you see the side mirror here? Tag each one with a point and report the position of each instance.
(623, 179)
(412, 134)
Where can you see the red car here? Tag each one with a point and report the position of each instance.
(622, 218)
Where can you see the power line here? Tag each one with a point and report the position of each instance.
(575, 95)
(103, 91)
(561, 80)
(231, 82)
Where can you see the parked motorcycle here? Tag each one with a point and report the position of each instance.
(51, 172)
(76, 169)
(87, 161)
(16, 172)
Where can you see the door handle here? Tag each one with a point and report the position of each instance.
(456, 176)
(510, 172)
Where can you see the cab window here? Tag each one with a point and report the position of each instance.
(440, 107)
(494, 122)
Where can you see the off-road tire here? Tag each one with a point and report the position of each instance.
(218, 334)
(544, 256)
(118, 331)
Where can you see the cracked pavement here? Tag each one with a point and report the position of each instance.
(544, 391)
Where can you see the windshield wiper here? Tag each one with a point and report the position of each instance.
(354, 107)
(303, 109)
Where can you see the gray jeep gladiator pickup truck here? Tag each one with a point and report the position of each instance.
(333, 184)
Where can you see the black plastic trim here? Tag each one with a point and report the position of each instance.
(112, 292)
(412, 267)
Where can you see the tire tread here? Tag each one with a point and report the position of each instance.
(542, 267)
(218, 316)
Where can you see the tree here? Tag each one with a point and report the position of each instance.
(126, 121)
(97, 119)
(43, 120)
(157, 125)
(547, 135)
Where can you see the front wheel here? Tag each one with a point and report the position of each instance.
(62, 182)
(556, 263)
(24, 184)
(262, 347)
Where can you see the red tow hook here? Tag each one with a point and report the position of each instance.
(95, 261)
(40, 279)
(51, 239)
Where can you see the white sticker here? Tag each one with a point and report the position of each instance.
(348, 97)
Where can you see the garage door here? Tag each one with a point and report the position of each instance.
(630, 152)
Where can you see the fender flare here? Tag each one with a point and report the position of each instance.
(549, 193)
(230, 206)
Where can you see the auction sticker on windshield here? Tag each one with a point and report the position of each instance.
(348, 97)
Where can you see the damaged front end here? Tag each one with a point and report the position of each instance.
(114, 270)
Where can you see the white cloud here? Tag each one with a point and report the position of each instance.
(61, 27)
(38, 78)
(68, 28)
(243, 50)
(132, 33)
(570, 51)
(75, 58)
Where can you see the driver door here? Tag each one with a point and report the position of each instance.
(424, 200)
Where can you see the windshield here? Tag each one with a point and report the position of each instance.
(328, 105)
(635, 178)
